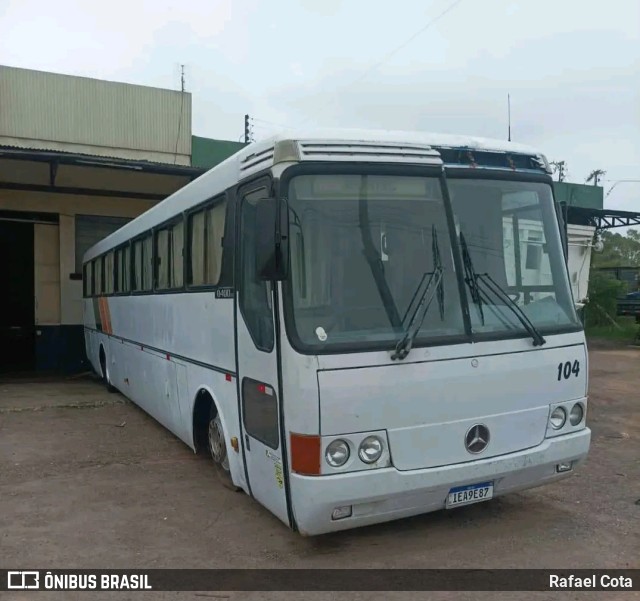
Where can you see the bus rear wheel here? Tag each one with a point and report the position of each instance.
(218, 449)
(105, 371)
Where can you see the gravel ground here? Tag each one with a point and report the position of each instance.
(88, 480)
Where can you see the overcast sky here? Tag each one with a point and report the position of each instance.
(572, 67)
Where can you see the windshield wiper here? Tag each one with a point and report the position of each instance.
(470, 276)
(434, 287)
(373, 257)
(482, 283)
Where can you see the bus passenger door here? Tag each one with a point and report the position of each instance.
(257, 365)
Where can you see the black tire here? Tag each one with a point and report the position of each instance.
(216, 442)
(105, 373)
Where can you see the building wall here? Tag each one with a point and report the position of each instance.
(88, 116)
(59, 340)
(207, 153)
(67, 293)
(68, 125)
(579, 195)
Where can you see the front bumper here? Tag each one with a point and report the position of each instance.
(388, 494)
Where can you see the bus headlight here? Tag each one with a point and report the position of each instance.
(337, 453)
(370, 449)
(558, 418)
(576, 414)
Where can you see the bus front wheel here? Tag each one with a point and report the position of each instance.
(218, 449)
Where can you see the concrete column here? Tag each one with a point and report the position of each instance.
(70, 290)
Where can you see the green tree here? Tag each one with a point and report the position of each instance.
(603, 292)
(619, 250)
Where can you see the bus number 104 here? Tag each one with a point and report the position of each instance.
(566, 369)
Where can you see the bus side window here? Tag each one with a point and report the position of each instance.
(137, 265)
(206, 230)
(125, 277)
(163, 258)
(254, 293)
(88, 280)
(122, 269)
(108, 273)
(169, 243)
(97, 276)
(147, 263)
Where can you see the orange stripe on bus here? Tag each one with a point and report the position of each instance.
(107, 312)
(101, 311)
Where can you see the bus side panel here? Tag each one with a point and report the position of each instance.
(148, 378)
(193, 326)
(167, 390)
(164, 349)
(90, 336)
(88, 346)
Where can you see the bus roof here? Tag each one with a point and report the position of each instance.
(412, 137)
(259, 155)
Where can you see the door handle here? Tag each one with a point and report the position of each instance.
(246, 440)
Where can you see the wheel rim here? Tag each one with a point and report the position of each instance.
(217, 444)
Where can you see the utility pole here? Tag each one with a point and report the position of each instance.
(559, 168)
(247, 130)
(595, 175)
(509, 114)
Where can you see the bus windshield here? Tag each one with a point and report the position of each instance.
(511, 240)
(362, 253)
(361, 244)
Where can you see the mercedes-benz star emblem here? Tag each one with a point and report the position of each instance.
(477, 438)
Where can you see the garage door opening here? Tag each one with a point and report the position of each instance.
(17, 304)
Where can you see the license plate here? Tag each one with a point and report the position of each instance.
(471, 493)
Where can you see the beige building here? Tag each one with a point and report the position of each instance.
(78, 158)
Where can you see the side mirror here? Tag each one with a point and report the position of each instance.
(272, 239)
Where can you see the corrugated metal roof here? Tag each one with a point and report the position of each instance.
(71, 158)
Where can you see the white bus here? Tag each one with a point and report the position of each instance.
(352, 324)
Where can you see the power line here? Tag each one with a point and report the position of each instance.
(393, 52)
(258, 121)
(620, 181)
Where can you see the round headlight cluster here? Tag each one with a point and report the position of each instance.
(370, 449)
(558, 418)
(337, 453)
(576, 414)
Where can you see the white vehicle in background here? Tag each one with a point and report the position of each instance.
(581, 240)
(360, 326)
